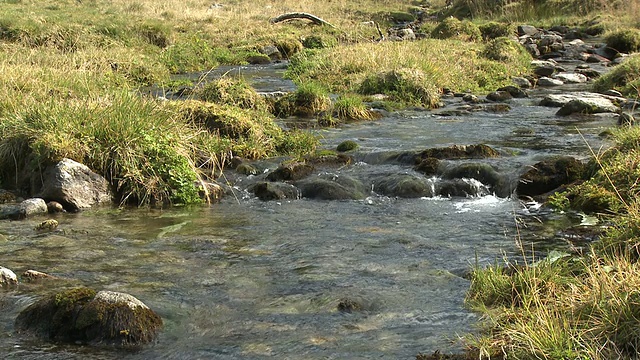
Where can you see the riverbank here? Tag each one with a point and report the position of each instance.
(69, 84)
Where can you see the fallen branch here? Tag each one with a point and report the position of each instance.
(290, 16)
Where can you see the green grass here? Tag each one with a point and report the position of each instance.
(574, 307)
(410, 72)
(624, 78)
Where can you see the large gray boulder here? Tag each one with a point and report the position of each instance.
(83, 316)
(74, 186)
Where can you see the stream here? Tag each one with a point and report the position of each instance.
(248, 279)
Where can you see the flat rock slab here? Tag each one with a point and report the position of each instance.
(604, 103)
(571, 78)
(587, 106)
(547, 82)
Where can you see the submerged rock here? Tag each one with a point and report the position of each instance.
(348, 305)
(461, 188)
(428, 166)
(47, 225)
(484, 173)
(83, 316)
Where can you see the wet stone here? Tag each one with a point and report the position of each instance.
(267, 191)
(547, 82)
(571, 78)
(349, 306)
(35, 276)
(499, 96)
(515, 91)
(521, 82)
(7, 278)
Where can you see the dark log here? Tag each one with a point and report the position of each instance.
(290, 16)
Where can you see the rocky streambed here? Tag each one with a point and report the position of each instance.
(356, 254)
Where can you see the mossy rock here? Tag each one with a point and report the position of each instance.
(405, 85)
(625, 41)
(403, 186)
(246, 169)
(428, 166)
(83, 316)
(231, 91)
(452, 28)
(455, 152)
(258, 59)
(506, 50)
(550, 174)
(328, 158)
(267, 191)
(347, 145)
(332, 187)
(290, 172)
(400, 17)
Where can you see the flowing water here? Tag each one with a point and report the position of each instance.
(246, 279)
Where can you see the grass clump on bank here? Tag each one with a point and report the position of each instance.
(452, 28)
(140, 148)
(410, 72)
(309, 99)
(624, 78)
(593, 309)
(151, 153)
